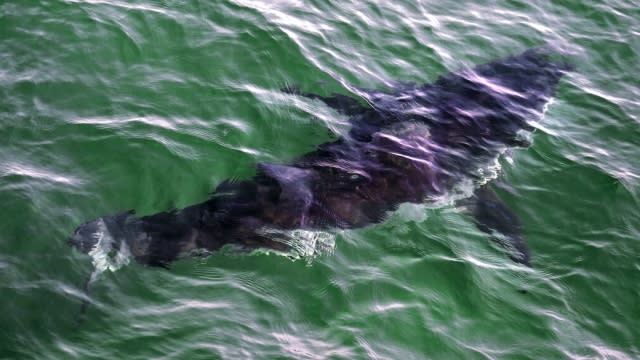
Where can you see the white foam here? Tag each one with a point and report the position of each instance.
(412, 212)
(304, 243)
(103, 255)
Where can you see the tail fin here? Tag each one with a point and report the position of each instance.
(488, 106)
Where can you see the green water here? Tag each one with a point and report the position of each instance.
(149, 104)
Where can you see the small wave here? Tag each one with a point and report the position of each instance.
(17, 169)
(155, 121)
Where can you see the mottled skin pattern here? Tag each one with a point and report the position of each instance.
(412, 144)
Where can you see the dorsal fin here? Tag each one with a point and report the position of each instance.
(294, 182)
(295, 186)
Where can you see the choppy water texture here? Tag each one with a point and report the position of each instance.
(147, 105)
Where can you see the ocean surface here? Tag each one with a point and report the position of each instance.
(149, 104)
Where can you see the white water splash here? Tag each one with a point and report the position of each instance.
(104, 256)
(304, 243)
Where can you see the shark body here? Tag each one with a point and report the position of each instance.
(415, 143)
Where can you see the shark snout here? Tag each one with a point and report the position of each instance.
(114, 226)
(85, 237)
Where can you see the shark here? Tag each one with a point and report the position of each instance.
(416, 143)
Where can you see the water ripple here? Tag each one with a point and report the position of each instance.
(18, 169)
(145, 104)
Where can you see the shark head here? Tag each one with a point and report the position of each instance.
(88, 235)
(107, 239)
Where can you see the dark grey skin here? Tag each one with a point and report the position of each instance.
(413, 144)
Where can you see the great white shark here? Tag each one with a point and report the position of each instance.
(413, 143)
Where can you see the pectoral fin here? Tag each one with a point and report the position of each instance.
(492, 216)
